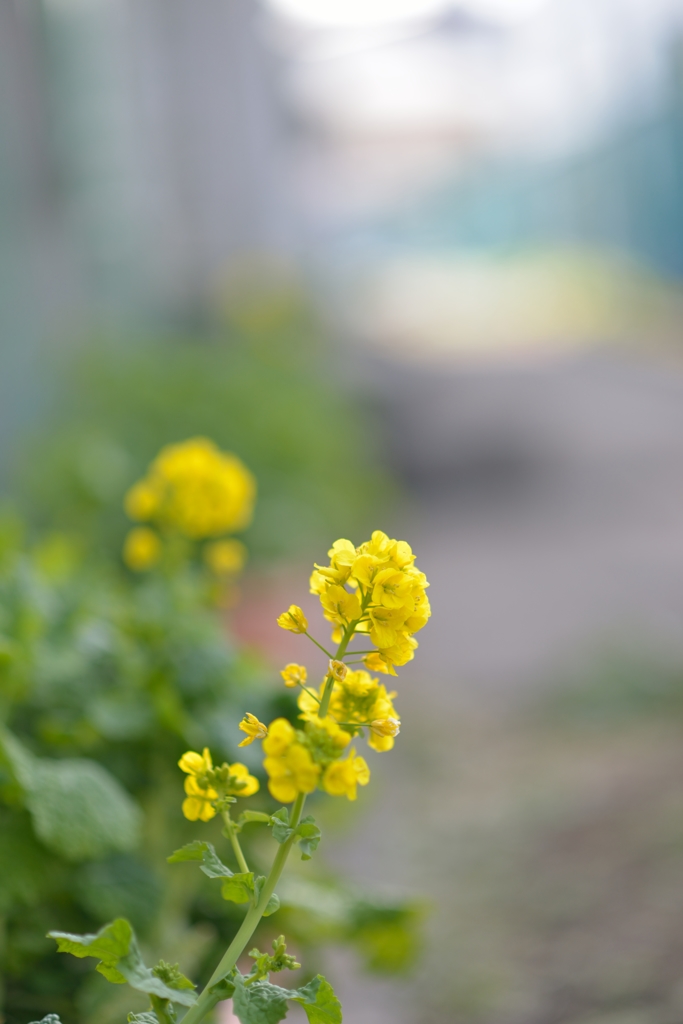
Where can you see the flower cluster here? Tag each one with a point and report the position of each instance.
(207, 787)
(196, 491)
(374, 589)
(358, 700)
(298, 760)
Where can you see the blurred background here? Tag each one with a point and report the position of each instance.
(419, 264)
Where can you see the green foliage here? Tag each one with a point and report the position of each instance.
(307, 832)
(116, 947)
(238, 888)
(79, 810)
(267, 963)
(385, 932)
(263, 1003)
(250, 816)
(261, 385)
(211, 864)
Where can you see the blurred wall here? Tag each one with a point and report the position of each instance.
(140, 151)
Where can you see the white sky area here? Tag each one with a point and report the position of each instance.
(531, 75)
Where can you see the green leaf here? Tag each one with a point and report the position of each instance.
(319, 1001)
(263, 1003)
(272, 905)
(109, 944)
(223, 989)
(116, 947)
(78, 809)
(247, 816)
(280, 823)
(309, 836)
(238, 888)
(211, 864)
(143, 1018)
(260, 1003)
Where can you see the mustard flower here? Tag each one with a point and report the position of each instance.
(225, 557)
(194, 488)
(142, 501)
(141, 548)
(294, 675)
(254, 729)
(198, 804)
(378, 587)
(291, 772)
(293, 619)
(338, 670)
(281, 735)
(342, 777)
(376, 663)
(385, 727)
(240, 782)
(196, 764)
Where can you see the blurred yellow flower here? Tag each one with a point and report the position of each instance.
(280, 735)
(342, 777)
(241, 782)
(385, 727)
(290, 773)
(141, 548)
(294, 675)
(196, 764)
(225, 557)
(198, 804)
(195, 488)
(142, 501)
(293, 619)
(254, 729)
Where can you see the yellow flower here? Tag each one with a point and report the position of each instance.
(385, 624)
(281, 735)
(198, 803)
(338, 670)
(293, 619)
(339, 605)
(225, 557)
(247, 784)
(402, 651)
(195, 488)
(142, 501)
(382, 733)
(141, 548)
(294, 675)
(342, 777)
(196, 764)
(254, 729)
(291, 773)
(376, 663)
(392, 589)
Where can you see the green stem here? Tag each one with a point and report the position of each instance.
(318, 645)
(208, 999)
(234, 842)
(310, 693)
(329, 679)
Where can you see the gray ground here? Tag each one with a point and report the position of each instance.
(546, 507)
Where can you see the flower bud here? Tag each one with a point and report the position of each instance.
(293, 619)
(386, 726)
(338, 670)
(294, 675)
(254, 729)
